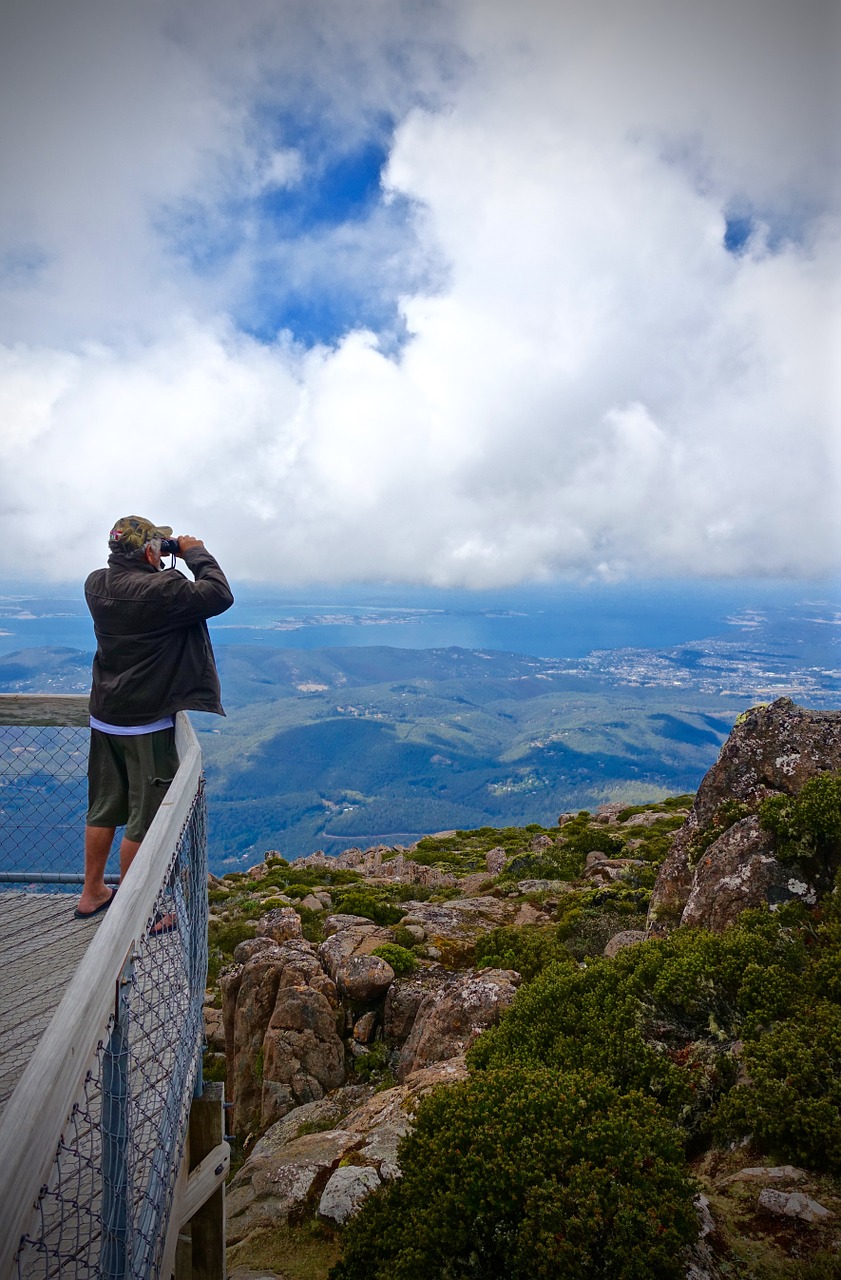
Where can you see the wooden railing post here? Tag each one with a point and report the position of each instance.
(207, 1134)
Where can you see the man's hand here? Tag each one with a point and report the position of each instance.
(186, 543)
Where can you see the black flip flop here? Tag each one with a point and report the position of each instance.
(88, 915)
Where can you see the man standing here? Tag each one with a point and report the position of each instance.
(153, 658)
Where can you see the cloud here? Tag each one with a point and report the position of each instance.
(537, 348)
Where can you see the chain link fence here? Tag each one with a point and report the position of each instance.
(43, 798)
(102, 1213)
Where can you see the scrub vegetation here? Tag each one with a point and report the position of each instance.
(614, 1089)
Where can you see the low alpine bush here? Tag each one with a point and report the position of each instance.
(527, 1175)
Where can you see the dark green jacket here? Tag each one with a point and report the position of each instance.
(153, 654)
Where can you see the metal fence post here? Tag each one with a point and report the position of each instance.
(114, 1253)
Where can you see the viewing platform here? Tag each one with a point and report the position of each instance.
(114, 1155)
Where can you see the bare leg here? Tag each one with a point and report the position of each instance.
(128, 848)
(98, 841)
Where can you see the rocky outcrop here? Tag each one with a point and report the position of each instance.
(352, 939)
(452, 928)
(720, 860)
(404, 999)
(290, 1169)
(450, 1018)
(602, 869)
(381, 863)
(363, 979)
(738, 870)
(282, 1045)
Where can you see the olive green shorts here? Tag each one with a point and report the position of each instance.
(128, 778)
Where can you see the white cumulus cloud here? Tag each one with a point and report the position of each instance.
(609, 240)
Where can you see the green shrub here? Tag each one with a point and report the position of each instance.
(646, 1018)
(807, 827)
(541, 866)
(403, 938)
(401, 960)
(792, 1105)
(593, 838)
(525, 1176)
(374, 1067)
(527, 949)
(222, 938)
(312, 924)
(365, 900)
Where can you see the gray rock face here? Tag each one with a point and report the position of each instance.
(287, 1173)
(450, 1019)
(364, 979)
(281, 1041)
(625, 938)
(774, 750)
(495, 860)
(352, 940)
(739, 870)
(404, 999)
(281, 925)
(792, 1204)
(453, 927)
(345, 1191)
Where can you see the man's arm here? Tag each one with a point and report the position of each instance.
(208, 596)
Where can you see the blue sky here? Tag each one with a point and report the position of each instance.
(459, 293)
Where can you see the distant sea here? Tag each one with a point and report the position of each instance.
(552, 621)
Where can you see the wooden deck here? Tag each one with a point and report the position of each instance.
(41, 946)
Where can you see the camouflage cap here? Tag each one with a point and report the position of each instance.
(134, 531)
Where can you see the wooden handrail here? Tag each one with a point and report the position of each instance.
(37, 1111)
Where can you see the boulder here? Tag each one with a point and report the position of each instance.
(739, 870)
(268, 1192)
(495, 860)
(405, 997)
(346, 1188)
(251, 947)
(281, 925)
(603, 869)
(354, 940)
(650, 819)
(281, 1040)
(772, 750)
(365, 1027)
(625, 938)
(452, 928)
(450, 1019)
(364, 978)
(540, 843)
(312, 903)
(527, 914)
(792, 1204)
(338, 923)
(288, 1171)
(609, 813)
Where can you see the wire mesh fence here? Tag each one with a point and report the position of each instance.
(43, 798)
(103, 1211)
